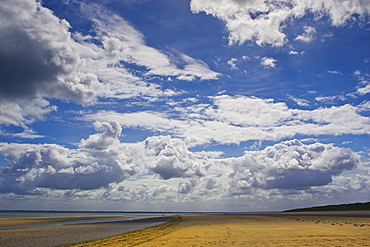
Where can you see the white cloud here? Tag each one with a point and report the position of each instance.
(362, 88)
(240, 23)
(148, 120)
(232, 63)
(364, 85)
(300, 102)
(186, 186)
(24, 113)
(237, 119)
(103, 140)
(334, 72)
(290, 165)
(263, 21)
(268, 62)
(364, 106)
(308, 34)
(330, 99)
(100, 160)
(162, 169)
(40, 58)
(52, 166)
(173, 158)
(122, 42)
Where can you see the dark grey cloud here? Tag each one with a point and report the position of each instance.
(38, 57)
(40, 167)
(25, 65)
(301, 180)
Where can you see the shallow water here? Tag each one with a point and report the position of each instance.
(75, 215)
(57, 214)
(75, 233)
(74, 222)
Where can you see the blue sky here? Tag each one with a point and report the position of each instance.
(197, 105)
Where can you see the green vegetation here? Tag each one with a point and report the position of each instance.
(342, 207)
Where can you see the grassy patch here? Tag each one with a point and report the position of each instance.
(342, 207)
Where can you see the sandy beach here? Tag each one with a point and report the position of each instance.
(279, 229)
(251, 230)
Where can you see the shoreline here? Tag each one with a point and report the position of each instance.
(15, 222)
(62, 221)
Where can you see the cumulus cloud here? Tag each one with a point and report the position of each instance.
(52, 166)
(103, 140)
(232, 63)
(187, 185)
(263, 21)
(268, 62)
(308, 34)
(172, 158)
(99, 161)
(38, 57)
(162, 168)
(290, 165)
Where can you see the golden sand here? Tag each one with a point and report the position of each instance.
(248, 230)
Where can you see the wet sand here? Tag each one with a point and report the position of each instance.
(33, 221)
(299, 229)
(69, 234)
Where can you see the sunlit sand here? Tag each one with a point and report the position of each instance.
(249, 230)
(288, 229)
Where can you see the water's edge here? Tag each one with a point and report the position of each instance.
(74, 222)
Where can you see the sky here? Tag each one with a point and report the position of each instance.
(184, 105)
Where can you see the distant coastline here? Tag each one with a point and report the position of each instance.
(340, 207)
